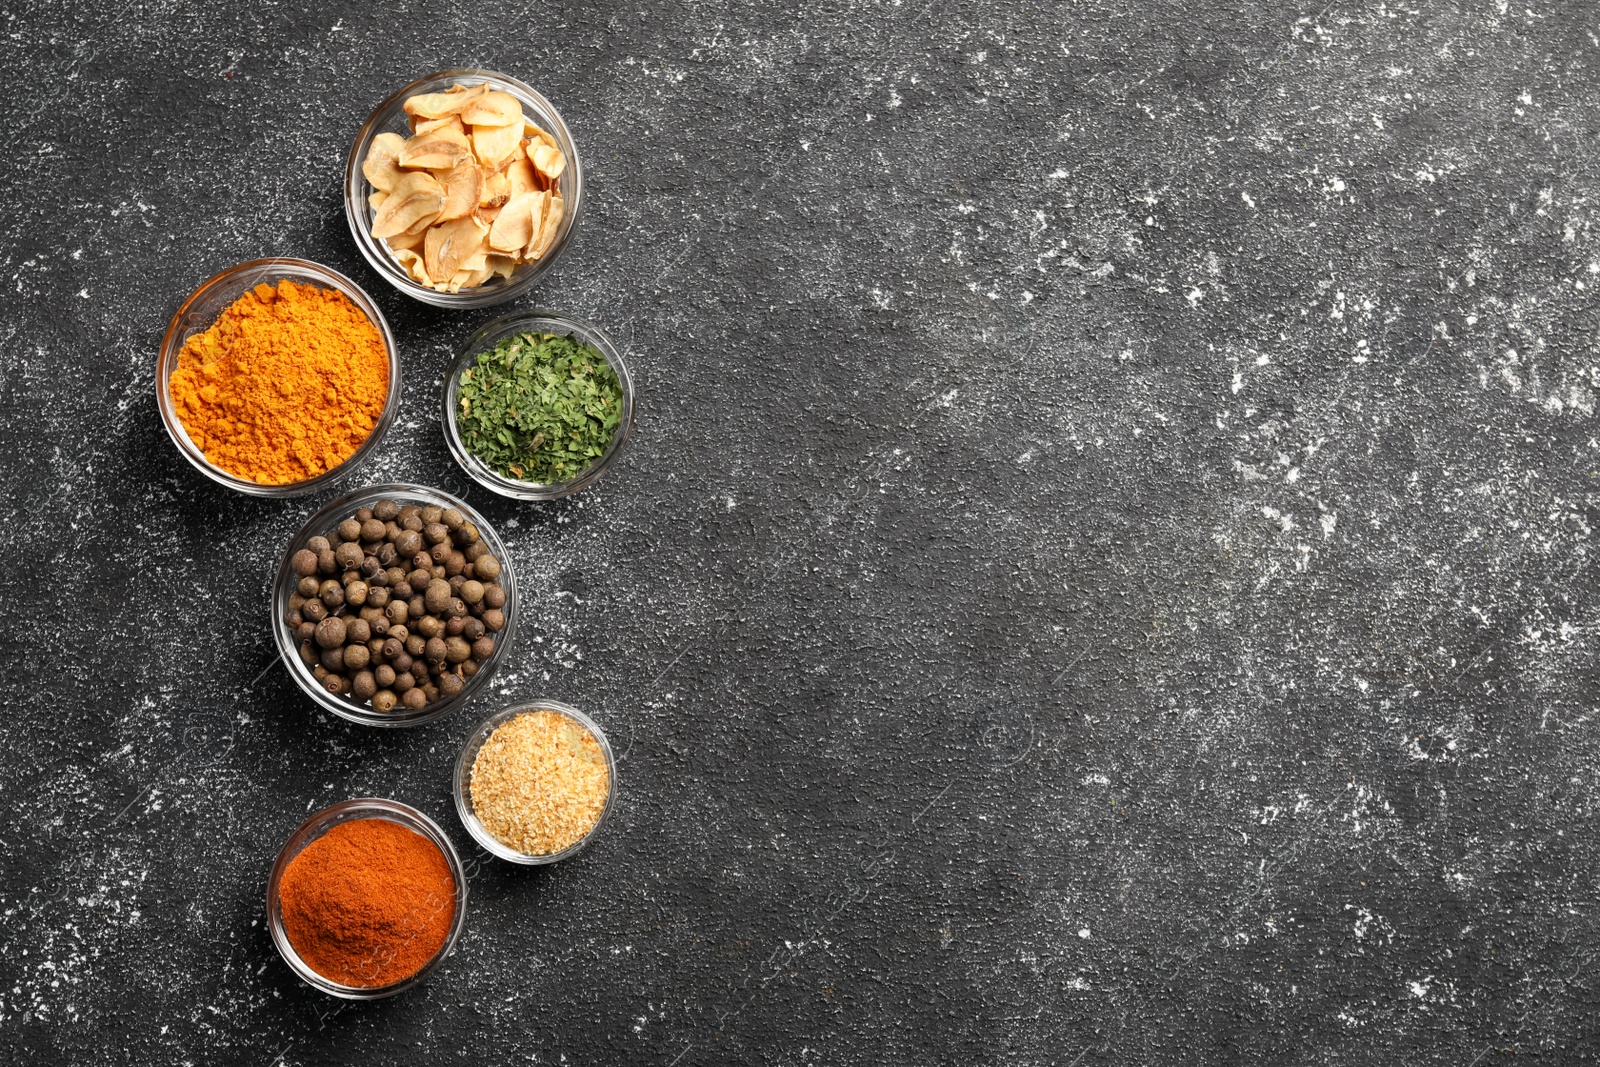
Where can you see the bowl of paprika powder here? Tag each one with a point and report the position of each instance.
(278, 377)
(366, 898)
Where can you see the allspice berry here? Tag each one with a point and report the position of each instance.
(396, 606)
(331, 632)
(437, 597)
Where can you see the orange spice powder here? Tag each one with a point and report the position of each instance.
(285, 385)
(368, 903)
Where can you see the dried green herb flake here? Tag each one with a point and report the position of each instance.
(539, 407)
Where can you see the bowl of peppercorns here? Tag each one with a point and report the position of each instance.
(393, 605)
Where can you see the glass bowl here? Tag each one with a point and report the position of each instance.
(491, 334)
(201, 310)
(463, 783)
(283, 587)
(321, 823)
(390, 116)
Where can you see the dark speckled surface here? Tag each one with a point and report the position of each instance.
(1102, 575)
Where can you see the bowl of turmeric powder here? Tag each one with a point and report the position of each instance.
(278, 377)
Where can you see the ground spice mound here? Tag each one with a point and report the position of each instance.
(368, 903)
(285, 385)
(540, 782)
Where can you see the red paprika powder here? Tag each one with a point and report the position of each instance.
(368, 903)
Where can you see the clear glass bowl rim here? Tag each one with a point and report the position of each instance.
(469, 753)
(536, 320)
(320, 823)
(318, 523)
(356, 190)
(276, 268)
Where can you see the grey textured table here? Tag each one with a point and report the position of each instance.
(1102, 576)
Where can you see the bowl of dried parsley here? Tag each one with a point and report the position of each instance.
(538, 405)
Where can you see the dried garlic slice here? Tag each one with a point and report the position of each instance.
(411, 260)
(497, 189)
(494, 108)
(463, 187)
(495, 144)
(416, 200)
(548, 161)
(440, 149)
(381, 166)
(515, 226)
(406, 240)
(449, 122)
(552, 224)
(452, 101)
(520, 177)
(451, 244)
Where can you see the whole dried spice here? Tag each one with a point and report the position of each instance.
(539, 407)
(368, 903)
(540, 782)
(398, 605)
(285, 385)
(473, 193)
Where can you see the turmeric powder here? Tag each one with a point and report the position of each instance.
(285, 385)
